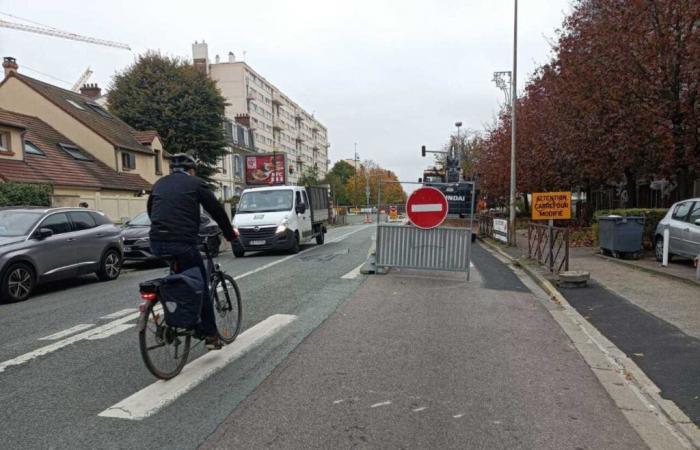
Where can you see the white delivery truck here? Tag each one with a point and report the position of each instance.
(280, 218)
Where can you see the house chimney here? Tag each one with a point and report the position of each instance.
(217, 59)
(91, 90)
(10, 65)
(243, 119)
(231, 57)
(200, 56)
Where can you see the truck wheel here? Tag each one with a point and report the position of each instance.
(295, 246)
(320, 237)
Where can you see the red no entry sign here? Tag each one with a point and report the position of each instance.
(426, 207)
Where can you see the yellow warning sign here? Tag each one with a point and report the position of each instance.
(551, 206)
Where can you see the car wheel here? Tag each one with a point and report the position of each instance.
(110, 266)
(659, 250)
(18, 283)
(238, 252)
(295, 246)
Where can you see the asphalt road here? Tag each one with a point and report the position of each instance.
(52, 400)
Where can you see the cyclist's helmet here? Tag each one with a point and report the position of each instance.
(182, 162)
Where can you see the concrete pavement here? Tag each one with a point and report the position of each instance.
(426, 360)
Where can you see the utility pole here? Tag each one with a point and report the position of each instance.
(514, 102)
(356, 174)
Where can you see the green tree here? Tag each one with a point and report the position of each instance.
(337, 177)
(309, 177)
(172, 97)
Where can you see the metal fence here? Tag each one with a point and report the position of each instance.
(413, 248)
(549, 246)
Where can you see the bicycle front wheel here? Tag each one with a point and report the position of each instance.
(227, 307)
(164, 349)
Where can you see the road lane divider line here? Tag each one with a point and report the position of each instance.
(287, 258)
(65, 342)
(111, 332)
(153, 398)
(68, 332)
(354, 273)
(118, 314)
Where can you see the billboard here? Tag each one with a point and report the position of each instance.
(265, 169)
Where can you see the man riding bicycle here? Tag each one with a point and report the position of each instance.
(174, 209)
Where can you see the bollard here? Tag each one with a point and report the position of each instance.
(667, 235)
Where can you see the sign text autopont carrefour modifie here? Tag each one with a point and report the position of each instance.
(551, 206)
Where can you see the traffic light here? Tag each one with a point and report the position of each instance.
(422, 150)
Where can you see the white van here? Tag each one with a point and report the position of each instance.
(280, 218)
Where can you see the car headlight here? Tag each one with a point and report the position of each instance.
(282, 226)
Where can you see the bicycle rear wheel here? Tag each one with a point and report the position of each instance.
(164, 349)
(227, 307)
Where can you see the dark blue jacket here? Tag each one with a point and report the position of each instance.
(173, 207)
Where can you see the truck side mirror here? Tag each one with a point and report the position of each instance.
(301, 208)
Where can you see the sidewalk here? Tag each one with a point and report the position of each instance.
(653, 318)
(427, 360)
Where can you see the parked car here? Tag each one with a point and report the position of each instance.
(137, 244)
(683, 220)
(39, 245)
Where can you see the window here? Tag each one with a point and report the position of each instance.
(694, 213)
(237, 165)
(32, 149)
(98, 109)
(100, 218)
(74, 152)
(82, 220)
(75, 104)
(4, 141)
(159, 163)
(223, 164)
(128, 161)
(681, 211)
(298, 198)
(58, 223)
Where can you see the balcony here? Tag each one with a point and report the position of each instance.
(276, 98)
(277, 123)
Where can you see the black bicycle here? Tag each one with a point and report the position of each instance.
(165, 349)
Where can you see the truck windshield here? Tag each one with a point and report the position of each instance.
(17, 223)
(266, 201)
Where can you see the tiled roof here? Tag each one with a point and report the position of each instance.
(113, 129)
(57, 167)
(145, 137)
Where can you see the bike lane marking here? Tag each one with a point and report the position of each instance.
(118, 314)
(68, 332)
(153, 398)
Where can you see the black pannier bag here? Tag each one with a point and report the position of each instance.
(181, 296)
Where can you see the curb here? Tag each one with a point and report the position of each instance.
(676, 421)
(648, 270)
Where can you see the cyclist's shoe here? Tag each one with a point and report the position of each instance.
(213, 343)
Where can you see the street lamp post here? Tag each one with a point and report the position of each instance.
(356, 159)
(513, 111)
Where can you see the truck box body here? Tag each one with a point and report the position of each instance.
(320, 203)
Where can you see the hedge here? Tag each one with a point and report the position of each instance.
(23, 194)
(651, 216)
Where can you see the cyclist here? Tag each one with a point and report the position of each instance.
(174, 209)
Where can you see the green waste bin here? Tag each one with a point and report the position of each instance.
(621, 236)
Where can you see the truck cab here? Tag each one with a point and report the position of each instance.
(280, 218)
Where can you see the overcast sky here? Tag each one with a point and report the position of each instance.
(389, 75)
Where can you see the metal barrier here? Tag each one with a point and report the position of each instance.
(413, 248)
(548, 245)
(485, 225)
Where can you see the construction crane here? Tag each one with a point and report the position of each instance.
(83, 78)
(50, 31)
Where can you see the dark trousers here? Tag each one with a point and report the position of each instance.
(186, 257)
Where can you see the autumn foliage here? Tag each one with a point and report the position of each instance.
(618, 102)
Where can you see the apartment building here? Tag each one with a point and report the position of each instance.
(230, 179)
(277, 122)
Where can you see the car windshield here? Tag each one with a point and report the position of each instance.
(17, 223)
(266, 201)
(142, 220)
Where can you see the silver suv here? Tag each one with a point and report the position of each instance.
(683, 220)
(45, 244)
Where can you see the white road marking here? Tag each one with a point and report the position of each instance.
(160, 394)
(111, 332)
(338, 401)
(376, 405)
(420, 409)
(65, 342)
(458, 416)
(68, 332)
(118, 314)
(354, 273)
(427, 207)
